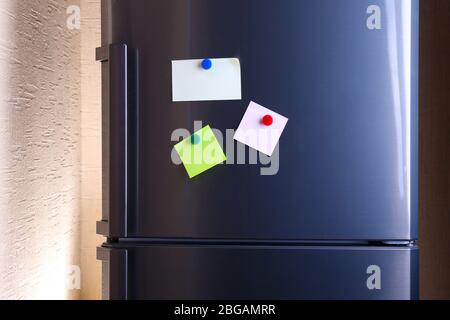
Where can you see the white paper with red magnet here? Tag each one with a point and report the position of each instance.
(255, 134)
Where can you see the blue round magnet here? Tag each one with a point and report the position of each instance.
(195, 139)
(207, 64)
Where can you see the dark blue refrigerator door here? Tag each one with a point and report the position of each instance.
(344, 73)
(189, 272)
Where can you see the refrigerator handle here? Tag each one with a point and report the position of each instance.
(114, 273)
(114, 59)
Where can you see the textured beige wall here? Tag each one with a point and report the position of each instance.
(50, 149)
(91, 170)
(40, 125)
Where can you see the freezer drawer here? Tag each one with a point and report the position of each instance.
(192, 272)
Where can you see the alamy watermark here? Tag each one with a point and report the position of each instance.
(74, 17)
(236, 152)
(73, 278)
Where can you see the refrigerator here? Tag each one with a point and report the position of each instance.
(330, 214)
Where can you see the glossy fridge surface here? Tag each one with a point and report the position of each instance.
(347, 165)
(190, 272)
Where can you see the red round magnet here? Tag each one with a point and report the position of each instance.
(267, 120)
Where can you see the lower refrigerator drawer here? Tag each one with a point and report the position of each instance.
(194, 272)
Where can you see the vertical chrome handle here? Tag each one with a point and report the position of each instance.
(115, 273)
(114, 60)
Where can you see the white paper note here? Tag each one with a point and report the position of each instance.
(255, 134)
(190, 82)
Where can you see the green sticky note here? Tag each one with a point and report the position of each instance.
(200, 152)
